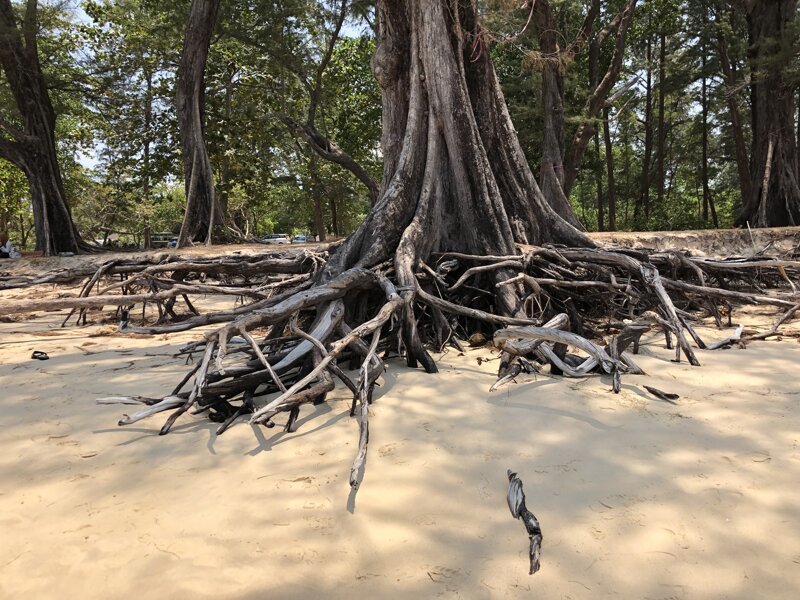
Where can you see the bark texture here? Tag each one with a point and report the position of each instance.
(551, 176)
(455, 177)
(453, 166)
(775, 195)
(203, 212)
(32, 147)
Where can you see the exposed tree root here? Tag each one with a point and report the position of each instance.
(581, 311)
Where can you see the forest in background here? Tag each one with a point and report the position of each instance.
(672, 145)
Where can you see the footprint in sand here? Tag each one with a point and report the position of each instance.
(597, 533)
(425, 520)
(320, 523)
(50, 431)
(387, 450)
(440, 574)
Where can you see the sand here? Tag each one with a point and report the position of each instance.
(637, 498)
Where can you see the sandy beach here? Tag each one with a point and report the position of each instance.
(637, 498)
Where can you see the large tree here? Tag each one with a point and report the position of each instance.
(202, 209)
(29, 141)
(774, 191)
(455, 177)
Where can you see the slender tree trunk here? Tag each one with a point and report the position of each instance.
(594, 69)
(741, 151)
(797, 131)
(612, 188)
(225, 183)
(317, 195)
(661, 147)
(148, 137)
(319, 218)
(641, 212)
(334, 216)
(33, 147)
(708, 200)
(599, 94)
(202, 209)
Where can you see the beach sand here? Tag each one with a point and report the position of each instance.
(637, 498)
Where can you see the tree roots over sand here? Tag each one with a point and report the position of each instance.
(460, 241)
(581, 311)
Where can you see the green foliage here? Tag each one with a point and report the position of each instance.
(111, 70)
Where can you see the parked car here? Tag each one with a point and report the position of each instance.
(163, 240)
(276, 238)
(299, 239)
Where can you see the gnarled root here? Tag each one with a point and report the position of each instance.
(283, 350)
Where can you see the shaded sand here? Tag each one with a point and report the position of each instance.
(637, 498)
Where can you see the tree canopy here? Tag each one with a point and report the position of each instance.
(656, 114)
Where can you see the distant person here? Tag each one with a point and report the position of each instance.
(6, 247)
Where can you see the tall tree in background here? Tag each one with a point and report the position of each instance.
(775, 194)
(318, 142)
(561, 164)
(708, 199)
(132, 48)
(202, 209)
(30, 141)
(724, 25)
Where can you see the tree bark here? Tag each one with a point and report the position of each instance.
(202, 209)
(455, 177)
(317, 193)
(661, 140)
(708, 199)
(641, 211)
(551, 175)
(770, 25)
(742, 154)
(612, 188)
(32, 147)
(335, 227)
(594, 70)
(148, 139)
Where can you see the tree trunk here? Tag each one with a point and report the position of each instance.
(202, 209)
(641, 211)
(33, 147)
(317, 193)
(797, 131)
(148, 139)
(773, 182)
(599, 95)
(742, 155)
(594, 70)
(455, 177)
(335, 228)
(319, 217)
(612, 188)
(708, 200)
(225, 177)
(661, 142)
(551, 176)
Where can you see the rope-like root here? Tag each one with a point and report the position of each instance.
(581, 311)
